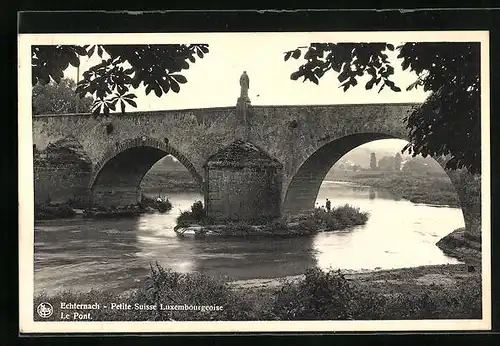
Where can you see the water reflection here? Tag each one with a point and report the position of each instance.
(231, 257)
(77, 252)
(397, 234)
(116, 254)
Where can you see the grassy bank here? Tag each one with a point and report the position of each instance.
(50, 212)
(429, 188)
(462, 245)
(430, 292)
(68, 210)
(319, 220)
(170, 181)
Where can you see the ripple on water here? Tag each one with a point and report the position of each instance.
(110, 231)
(117, 253)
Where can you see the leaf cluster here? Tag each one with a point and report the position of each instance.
(349, 60)
(122, 68)
(448, 123)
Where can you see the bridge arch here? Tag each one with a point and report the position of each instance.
(302, 191)
(116, 177)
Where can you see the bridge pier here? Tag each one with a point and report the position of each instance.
(243, 183)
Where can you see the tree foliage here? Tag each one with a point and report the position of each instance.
(397, 161)
(422, 165)
(373, 161)
(122, 68)
(447, 123)
(53, 98)
(386, 163)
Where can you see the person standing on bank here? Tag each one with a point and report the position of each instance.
(328, 205)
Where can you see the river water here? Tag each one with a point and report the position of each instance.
(115, 254)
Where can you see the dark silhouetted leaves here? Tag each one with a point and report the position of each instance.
(179, 78)
(448, 123)
(296, 75)
(123, 67)
(174, 86)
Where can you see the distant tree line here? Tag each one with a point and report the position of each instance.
(395, 163)
(59, 98)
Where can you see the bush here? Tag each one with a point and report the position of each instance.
(166, 287)
(330, 296)
(239, 228)
(197, 210)
(338, 218)
(276, 225)
(320, 296)
(197, 215)
(462, 301)
(148, 202)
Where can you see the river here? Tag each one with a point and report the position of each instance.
(115, 254)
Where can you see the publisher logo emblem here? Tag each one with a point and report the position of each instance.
(45, 310)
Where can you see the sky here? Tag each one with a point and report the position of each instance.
(214, 80)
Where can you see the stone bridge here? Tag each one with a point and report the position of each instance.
(116, 152)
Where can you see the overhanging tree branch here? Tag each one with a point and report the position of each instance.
(448, 123)
(122, 68)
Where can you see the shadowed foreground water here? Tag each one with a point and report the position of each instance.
(115, 254)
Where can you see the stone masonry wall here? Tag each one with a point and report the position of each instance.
(243, 193)
(61, 173)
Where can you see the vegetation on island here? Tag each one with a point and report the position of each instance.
(338, 218)
(49, 210)
(317, 295)
(320, 220)
(161, 204)
(196, 215)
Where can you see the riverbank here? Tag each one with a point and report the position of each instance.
(54, 211)
(462, 245)
(387, 281)
(68, 210)
(175, 181)
(426, 188)
(427, 292)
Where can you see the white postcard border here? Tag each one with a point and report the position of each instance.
(26, 188)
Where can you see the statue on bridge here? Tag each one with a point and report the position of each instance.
(245, 85)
